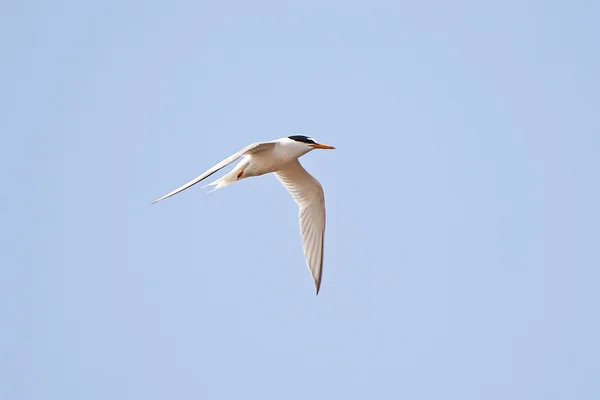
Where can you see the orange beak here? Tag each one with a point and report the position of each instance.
(322, 146)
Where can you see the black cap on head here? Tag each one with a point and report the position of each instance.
(303, 139)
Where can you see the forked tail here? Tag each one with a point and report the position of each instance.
(227, 179)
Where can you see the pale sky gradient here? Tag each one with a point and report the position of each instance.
(462, 253)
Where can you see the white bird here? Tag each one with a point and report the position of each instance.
(281, 158)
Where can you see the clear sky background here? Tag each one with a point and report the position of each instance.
(462, 245)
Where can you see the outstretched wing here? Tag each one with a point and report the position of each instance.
(308, 194)
(250, 149)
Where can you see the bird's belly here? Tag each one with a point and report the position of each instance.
(260, 164)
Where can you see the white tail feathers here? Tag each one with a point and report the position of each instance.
(223, 181)
(230, 177)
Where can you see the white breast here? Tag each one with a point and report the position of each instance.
(274, 159)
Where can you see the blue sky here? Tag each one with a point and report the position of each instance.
(461, 256)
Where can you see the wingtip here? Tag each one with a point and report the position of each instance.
(157, 200)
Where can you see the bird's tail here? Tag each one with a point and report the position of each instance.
(226, 179)
(219, 184)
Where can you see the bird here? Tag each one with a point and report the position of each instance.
(280, 157)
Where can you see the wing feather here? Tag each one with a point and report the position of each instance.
(308, 194)
(250, 149)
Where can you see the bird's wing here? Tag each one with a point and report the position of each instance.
(250, 149)
(308, 194)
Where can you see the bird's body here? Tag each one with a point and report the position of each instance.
(281, 158)
(268, 157)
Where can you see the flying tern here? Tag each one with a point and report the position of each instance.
(281, 158)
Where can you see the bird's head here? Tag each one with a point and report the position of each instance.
(309, 142)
